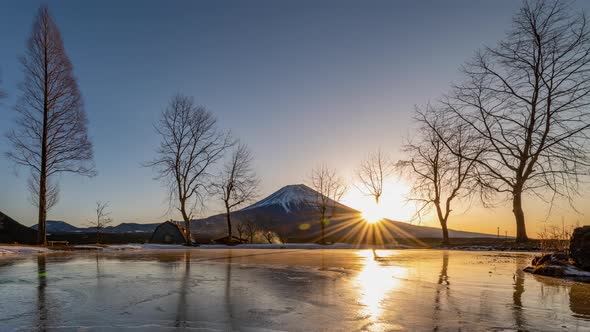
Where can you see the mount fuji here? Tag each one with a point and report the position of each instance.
(291, 213)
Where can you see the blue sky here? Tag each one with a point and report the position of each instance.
(300, 82)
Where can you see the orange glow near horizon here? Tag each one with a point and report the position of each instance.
(392, 204)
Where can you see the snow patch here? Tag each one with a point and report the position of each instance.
(110, 247)
(288, 197)
(573, 271)
(7, 250)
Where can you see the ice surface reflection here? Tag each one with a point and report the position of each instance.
(376, 282)
(303, 290)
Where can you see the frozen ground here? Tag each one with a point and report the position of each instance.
(7, 250)
(287, 289)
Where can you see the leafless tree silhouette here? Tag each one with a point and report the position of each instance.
(250, 229)
(527, 99)
(102, 220)
(190, 145)
(237, 183)
(330, 188)
(51, 135)
(51, 193)
(372, 173)
(241, 229)
(437, 175)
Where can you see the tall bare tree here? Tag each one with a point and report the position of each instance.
(190, 145)
(371, 174)
(330, 188)
(102, 220)
(237, 183)
(438, 176)
(51, 135)
(528, 100)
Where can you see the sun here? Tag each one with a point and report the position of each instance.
(372, 214)
(392, 205)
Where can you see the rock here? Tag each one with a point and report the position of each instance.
(557, 265)
(580, 247)
(551, 265)
(550, 270)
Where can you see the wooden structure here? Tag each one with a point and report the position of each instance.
(169, 233)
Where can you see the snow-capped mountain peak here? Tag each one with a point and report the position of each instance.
(288, 197)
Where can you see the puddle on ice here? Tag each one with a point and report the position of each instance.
(295, 290)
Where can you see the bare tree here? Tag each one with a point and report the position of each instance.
(237, 183)
(371, 174)
(190, 145)
(51, 137)
(51, 194)
(437, 175)
(241, 229)
(527, 99)
(250, 230)
(102, 220)
(330, 188)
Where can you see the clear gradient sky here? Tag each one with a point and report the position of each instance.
(301, 82)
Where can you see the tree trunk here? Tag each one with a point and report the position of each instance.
(187, 223)
(445, 232)
(41, 229)
(443, 222)
(521, 236)
(41, 232)
(228, 216)
(42, 221)
(323, 224)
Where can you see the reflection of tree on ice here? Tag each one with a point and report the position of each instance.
(517, 295)
(181, 309)
(41, 300)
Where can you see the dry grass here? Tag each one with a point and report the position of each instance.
(555, 238)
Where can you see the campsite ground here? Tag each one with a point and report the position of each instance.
(287, 289)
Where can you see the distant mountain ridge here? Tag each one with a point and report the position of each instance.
(291, 213)
(58, 226)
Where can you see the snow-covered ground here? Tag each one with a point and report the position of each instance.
(7, 250)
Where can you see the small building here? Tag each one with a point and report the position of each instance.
(169, 233)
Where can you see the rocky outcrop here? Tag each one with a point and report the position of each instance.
(580, 247)
(552, 265)
(557, 265)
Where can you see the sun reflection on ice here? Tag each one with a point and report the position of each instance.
(375, 282)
